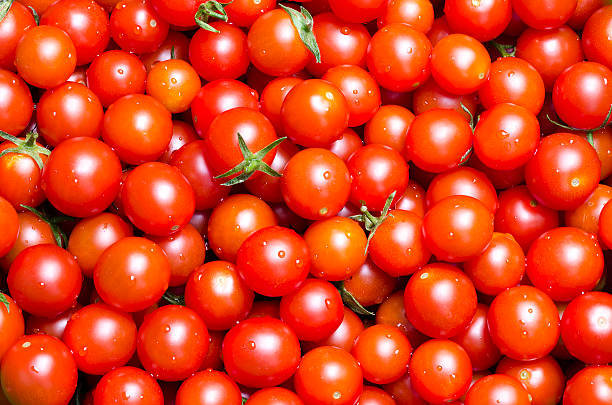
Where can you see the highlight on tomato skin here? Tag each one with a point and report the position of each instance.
(321, 202)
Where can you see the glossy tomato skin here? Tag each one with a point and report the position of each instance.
(85, 22)
(115, 74)
(438, 140)
(313, 311)
(457, 228)
(219, 96)
(274, 395)
(11, 323)
(595, 35)
(451, 73)
(314, 113)
(462, 180)
(261, 352)
(497, 389)
(44, 280)
(500, 266)
(546, 14)
(273, 261)
(476, 341)
(243, 13)
(513, 80)
(520, 215)
(605, 226)
(174, 83)
(9, 222)
(370, 285)
(93, 235)
(543, 378)
(383, 352)
(564, 171)
(586, 327)
(234, 220)
(392, 312)
(47, 46)
(389, 126)
(550, 51)
(399, 57)
(376, 171)
(326, 177)
(32, 231)
(586, 216)
(17, 20)
(328, 375)
(506, 136)
(72, 179)
(431, 367)
(418, 14)
(218, 295)
(437, 314)
(524, 323)
(274, 45)
(165, 192)
(208, 387)
(101, 338)
(128, 386)
(398, 246)
(344, 336)
(132, 274)
(357, 11)
(591, 384)
(182, 134)
(172, 342)
(176, 40)
(136, 27)
(430, 96)
(38, 369)
(180, 13)
(484, 21)
(565, 262)
(340, 43)
(583, 94)
(148, 122)
(268, 188)
(16, 105)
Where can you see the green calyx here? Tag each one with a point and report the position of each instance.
(589, 132)
(351, 302)
(5, 302)
(505, 50)
(252, 162)
(212, 8)
(5, 6)
(173, 299)
(303, 23)
(370, 222)
(61, 239)
(25, 146)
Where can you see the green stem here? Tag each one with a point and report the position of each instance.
(25, 146)
(211, 8)
(174, 299)
(5, 302)
(505, 50)
(61, 239)
(589, 132)
(371, 223)
(5, 6)
(351, 302)
(303, 23)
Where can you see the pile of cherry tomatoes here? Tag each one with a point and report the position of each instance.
(327, 202)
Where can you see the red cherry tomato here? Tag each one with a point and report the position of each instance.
(16, 103)
(136, 27)
(208, 387)
(544, 14)
(591, 384)
(11, 323)
(17, 20)
(497, 389)
(128, 386)
(477, 342)
(543, 378)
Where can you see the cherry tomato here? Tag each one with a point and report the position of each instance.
(182, 134)
(438, 140)
(175, 41)
(208, 387)
(545, 14)
(543, 378)
(328, 375)
(462, 181)
(44, 280)
(586, 216)
(218, 295)
(460, 64)
(590, 385)
(477, 342)
(383, 352)
(46, 46)
(393, 312)
(314, 311)
(128, 386)
(136, 27)
(564, 171)
(16, 103)
(389, 126)
(524, 323)
(261, 352)
(595, 34)
(398, 57)
(100, 338)
(172, 342)
(32, 231)
(174, 83)
(243, 13)
(177, 12)
(500, 266)
(132, 274)
(418, 14)
(433, 366)
(11, 323)
(38, 369)
(430, 96)
(565, 262)
(497, 389)
(370, 285)
(274, 44)
(605, 225)
(9, 222)
(56, 326)
(274, 395)
(315, 184)
(85, 21)
(437, 314)
(115, 74)
(234, 220)
(157, 199)
(344, 336)
(403, 393)
(17, 20)
(457, 228)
